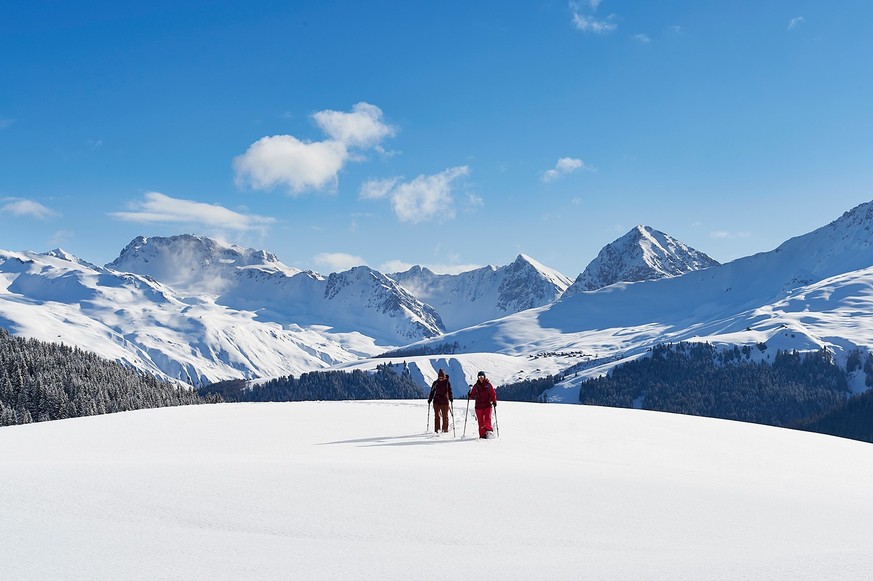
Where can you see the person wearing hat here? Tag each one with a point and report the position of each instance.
(486, 400)
(441, 396)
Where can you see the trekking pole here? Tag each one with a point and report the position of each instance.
(427, 427)
(496, 427)
(466, 413)
(452, 411)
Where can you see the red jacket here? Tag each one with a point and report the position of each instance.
(484, 394)
(440, 392)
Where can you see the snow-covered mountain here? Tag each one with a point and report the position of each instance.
(230, 312)
(472, 297)
(360, 300)
(642, 254)
(195, 263)
(242, 313)
(813, 291)
(138, 321)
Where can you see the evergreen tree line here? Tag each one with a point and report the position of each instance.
(423, 350)
(696, 379)
(528, 389)
(384, 383)
(852, 419)
(42, 381)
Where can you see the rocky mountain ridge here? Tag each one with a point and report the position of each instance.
(642, 254)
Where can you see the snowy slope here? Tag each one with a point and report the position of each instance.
(642, 254)
(355, 490)
(475, 296)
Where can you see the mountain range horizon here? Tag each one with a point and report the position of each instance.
(193, 309)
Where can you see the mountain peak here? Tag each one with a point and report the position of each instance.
(642, 254)
(185, 261)
(523, 261)
(489, 292)
(62, 254)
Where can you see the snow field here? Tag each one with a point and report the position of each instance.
(357, 490)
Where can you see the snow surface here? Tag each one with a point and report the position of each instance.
(356, 490)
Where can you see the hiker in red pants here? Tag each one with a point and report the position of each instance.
(486, 399)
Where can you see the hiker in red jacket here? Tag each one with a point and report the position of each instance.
(486, 399)
(441, 396)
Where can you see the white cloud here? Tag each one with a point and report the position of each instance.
(284, 160)
(157, 208)
(592, 24)
(362, 127)
(584, 5)
(726, 235)
(424, 198)
(23, 207)
(395, 266)
(376, 189)
(642, 38)
(795, 22)
(452, 268)
(584, 19)
(565, 166)
(61, 237)
(338, 261)
(473, 202)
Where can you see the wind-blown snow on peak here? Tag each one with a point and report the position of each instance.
(642, 254)
(485, 293)
(189, 262)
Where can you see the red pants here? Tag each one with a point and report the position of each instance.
(440, 410)
(483, 416)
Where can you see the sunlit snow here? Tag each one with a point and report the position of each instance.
(357, 490)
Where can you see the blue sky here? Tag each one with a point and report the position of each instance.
(449, 134)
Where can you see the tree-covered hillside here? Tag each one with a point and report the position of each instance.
(853, 419)
(46, 381)
(698, 379)
(384, 383)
